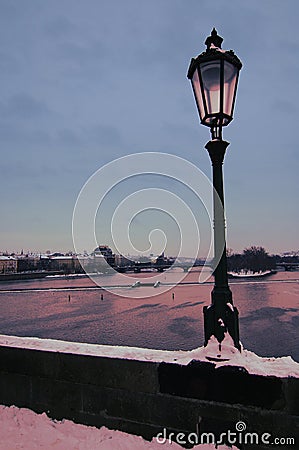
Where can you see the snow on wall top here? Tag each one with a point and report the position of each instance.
(229, 355)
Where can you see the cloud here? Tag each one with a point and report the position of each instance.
(103, 134)
(285, 106)
(24, 106)
(18, 138)
(59, 26)
(8, 63)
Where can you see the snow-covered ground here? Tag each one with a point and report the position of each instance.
(26, 430)
(280, 367)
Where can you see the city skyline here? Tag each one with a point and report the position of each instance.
(56, 253)
(85, 84)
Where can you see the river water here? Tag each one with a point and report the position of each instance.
(73, 310)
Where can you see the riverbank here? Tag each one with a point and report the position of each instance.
(19, 276)
(248, 274)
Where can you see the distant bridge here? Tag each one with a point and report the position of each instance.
(160, 267)
(288, 266)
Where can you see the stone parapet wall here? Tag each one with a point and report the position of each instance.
(143, 397)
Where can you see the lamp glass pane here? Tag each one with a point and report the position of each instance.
(230, 78)
(197, 93)
(210, 73)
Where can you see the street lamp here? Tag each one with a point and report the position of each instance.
(214, 77)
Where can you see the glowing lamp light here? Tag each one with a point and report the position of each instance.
(214, 77)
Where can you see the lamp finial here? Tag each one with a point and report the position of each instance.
(214, 39)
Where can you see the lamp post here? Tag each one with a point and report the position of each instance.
(214, 77)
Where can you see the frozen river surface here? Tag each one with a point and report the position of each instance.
(77, 310)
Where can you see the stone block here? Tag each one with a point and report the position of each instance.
(54, 396)
(28, 362)
(109, 372)
(15, 389)
(94, 399)
(291, 392)
(227, 384)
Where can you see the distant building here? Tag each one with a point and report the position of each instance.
(162, 260)
(106, 252)
(66, 264)
(28, 263)
(8, 264)
(122, 261)
(83, 261)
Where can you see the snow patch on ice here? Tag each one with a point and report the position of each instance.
(249, 273)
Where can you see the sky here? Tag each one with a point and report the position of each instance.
(84, 83)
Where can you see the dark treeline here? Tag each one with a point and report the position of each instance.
(254, 259)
